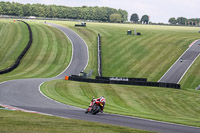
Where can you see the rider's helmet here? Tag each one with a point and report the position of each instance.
(102, 100)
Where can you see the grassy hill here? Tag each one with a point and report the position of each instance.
(48, 56)
(14, 38)
(147, 56)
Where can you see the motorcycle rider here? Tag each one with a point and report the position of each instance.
(93, 101)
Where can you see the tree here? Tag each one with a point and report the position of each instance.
(27, 10)
(53, 11)
(124, 15)
(19, 10)
(181, 20)
(134, 18)
(172, 21)
(145, 19)
(115, 18)
(1, 10)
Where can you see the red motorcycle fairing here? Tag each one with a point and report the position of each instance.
(99, 102)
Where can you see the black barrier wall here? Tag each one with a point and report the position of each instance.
(17, 62)
(132, 82)
(80, 25)
(99, 56)
(122, 78)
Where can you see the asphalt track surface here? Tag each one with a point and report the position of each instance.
(181, 66)
(25, 94)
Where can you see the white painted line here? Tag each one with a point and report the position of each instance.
(8, 81)
(73, 49)
(45, 95)
(177, 60)
(188, 68)
(72, 53)
(86, 46)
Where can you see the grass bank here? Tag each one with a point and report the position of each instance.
(14, 38)
(48, 56)
(148, 56)
(20, 122)
(162, 104)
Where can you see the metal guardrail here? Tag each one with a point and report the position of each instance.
(99, 56)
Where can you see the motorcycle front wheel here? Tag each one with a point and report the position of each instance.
(95, 109)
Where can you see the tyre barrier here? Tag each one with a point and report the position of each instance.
(131, 82)
(17, 62)
(99, 60)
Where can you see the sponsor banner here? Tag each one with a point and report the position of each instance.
(118, 79)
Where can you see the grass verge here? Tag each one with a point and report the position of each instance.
(20, 122)
(48, 56)
(14, 38)
(170, 105)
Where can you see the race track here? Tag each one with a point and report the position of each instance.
(180, 67)
(25, 94)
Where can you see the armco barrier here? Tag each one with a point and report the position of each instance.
(133, 82)
(17, 62)
(99, 56)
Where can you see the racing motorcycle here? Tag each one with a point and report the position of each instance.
(96, 105)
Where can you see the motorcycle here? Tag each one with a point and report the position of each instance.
(96, 105)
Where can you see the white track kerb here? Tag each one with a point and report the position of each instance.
(72, 54)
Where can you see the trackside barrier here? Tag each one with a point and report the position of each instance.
(80, 25)
(122, 78)
(132, 82)
(17, 62)
(99, 56)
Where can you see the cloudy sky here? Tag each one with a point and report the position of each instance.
(158, 10)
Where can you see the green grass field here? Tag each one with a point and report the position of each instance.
(19, 122)
(14, 38)
(192, 78)
(48, 56)
(170, 105)
(147, 56)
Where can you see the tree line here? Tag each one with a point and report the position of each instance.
(184, 21)
(105, 14)
(135, 19)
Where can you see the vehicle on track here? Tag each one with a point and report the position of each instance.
(96, 105)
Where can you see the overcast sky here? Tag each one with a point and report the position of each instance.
(158, 10)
